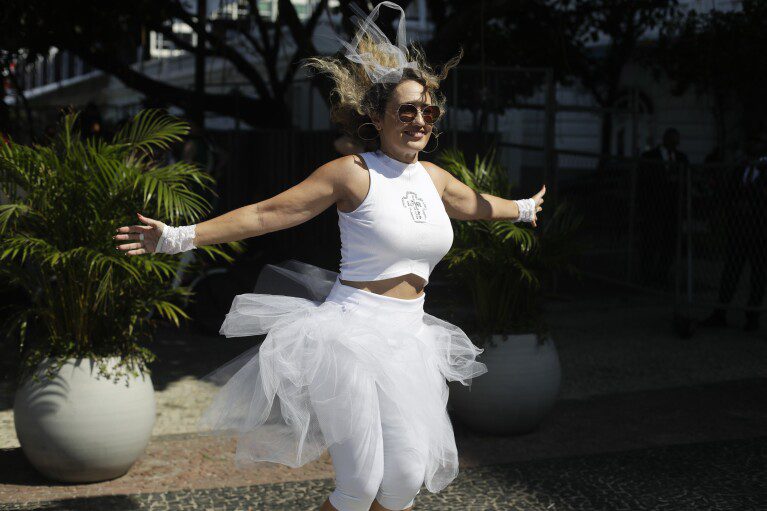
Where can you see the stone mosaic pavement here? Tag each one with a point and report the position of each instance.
(727, 475)
(697, 447)
(645, 421)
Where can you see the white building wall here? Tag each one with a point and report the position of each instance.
(574, 130)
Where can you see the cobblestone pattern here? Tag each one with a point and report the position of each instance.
(648, 356)
(715, 476)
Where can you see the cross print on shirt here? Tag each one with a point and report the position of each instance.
(416, 205)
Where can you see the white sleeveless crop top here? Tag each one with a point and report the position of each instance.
(400, 227)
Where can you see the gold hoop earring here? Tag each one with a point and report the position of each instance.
(436, 135)
(363, 138)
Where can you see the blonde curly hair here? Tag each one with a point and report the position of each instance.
(355, 97)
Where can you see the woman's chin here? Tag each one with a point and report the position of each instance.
(415, 145)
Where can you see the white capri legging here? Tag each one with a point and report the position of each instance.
(360, 374)
(384, 456)
(396, 470)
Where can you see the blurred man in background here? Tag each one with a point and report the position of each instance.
(745, 198)
(660, 173)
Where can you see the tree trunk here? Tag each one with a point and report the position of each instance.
(606, 134)
(720, 122)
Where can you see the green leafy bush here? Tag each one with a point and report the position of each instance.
(500, 264)
(62, 204)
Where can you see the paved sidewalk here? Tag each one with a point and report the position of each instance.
(645, 421)
(712, 476)
(700, 447)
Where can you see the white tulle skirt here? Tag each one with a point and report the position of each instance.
(329, 349)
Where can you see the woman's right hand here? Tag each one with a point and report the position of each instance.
(152, 232)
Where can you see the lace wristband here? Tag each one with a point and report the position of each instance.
(176, 239)
(526, 210)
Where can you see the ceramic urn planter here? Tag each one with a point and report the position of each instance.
(78, 427)
(518, 391)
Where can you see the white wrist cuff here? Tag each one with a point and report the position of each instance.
(176, 239)
(526, 210)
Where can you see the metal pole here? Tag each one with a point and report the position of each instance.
(632, 220)
(198, 111)
(235, 142)
(689, 236)
(634, 124)
(632, 190)
(496, 103)
(311, 106)
(454, 119)
(680, 209)
(550, 133)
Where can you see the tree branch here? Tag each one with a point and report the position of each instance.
(226, 51)
(263, 30)
(302, 34)
(169, 34)
(251, 110)
(253, 41)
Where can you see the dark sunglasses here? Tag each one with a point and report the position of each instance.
(407, 112)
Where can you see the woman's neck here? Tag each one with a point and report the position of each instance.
(406, 157)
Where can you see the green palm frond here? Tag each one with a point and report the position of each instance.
(213, 251)
(485, 176)
(170, 311)
(170, 186)
(10, 214)
(20, 168)
(63, 202)
(501, 263)
(508, 231)
(20, 247)
(151, 129)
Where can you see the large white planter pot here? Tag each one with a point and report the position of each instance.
(519, 389)
(80, 428)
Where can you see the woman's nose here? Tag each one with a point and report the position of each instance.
(419, 119)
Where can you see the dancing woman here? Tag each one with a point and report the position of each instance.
(357, 368)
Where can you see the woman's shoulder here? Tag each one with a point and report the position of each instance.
(349, 164)
(347, 172)
(438, 175)
(350, 177)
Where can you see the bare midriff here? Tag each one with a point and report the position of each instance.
(406, 287)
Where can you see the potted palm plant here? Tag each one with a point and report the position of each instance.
(503, 267)
(84, 405)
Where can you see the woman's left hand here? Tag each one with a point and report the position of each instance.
(538, 198)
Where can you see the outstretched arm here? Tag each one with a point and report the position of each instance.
(289, 208)
(463, 203)
(302, 202)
